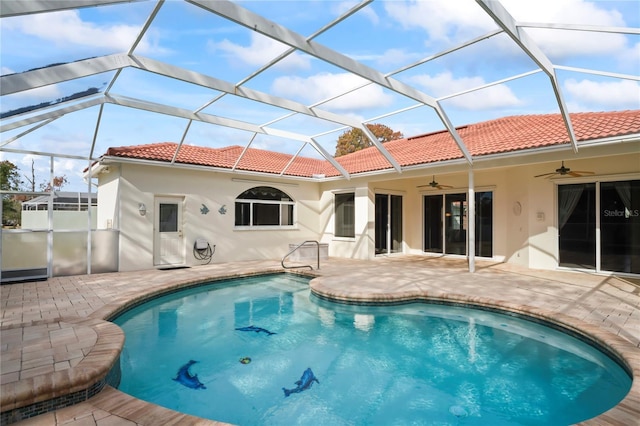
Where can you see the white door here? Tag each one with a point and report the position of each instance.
(168, 239)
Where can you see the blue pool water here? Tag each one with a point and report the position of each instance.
(389, 365)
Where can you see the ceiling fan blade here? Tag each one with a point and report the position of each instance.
(579, 173)
(436, 186)
(563, 171)
(546, 174)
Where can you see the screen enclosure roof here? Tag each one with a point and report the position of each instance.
(80, 76)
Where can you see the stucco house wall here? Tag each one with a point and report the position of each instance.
(528, 238)
(135, 184)
(362, 245)
(107, 216)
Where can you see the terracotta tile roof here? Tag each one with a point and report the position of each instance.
(256, 160)
(506, 134)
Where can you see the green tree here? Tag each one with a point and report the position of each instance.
(354, 139)
(10, 181)
(9, 176)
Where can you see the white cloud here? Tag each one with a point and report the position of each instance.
(558, 45)
(441, 19)
(69, 168)
(565, 11)
(628, 59)
(326, 85)
(341, 7)
(66, 29)
(561, 44)
(260, 51)
(453, 21)
(595, 95)
(444, 84)
(394, 57)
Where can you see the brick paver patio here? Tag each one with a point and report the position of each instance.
(54, 337)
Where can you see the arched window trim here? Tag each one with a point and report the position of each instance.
(247, 195)
(257, 213)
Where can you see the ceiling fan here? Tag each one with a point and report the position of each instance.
(434, 184)
(563, 171)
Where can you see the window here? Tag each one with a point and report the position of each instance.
(264, 206)
(168, 217)
(345, 215)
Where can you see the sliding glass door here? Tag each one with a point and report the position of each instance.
(616, 248)
(388, 226)
(445, 223)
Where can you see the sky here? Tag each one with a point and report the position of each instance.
(386, 36)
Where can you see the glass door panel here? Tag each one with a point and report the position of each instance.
(433, 223)
(455, 224)
(484, 224)
(388, 226)
(382, 222)
(577, 225)
(620, 226)
(396, 224)
(168, 220)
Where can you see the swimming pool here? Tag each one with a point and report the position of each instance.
(414, 363)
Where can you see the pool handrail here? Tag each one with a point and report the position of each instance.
(296, 248)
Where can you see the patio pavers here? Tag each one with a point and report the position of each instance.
(55, 327)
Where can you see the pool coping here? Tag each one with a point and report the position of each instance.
(49, 391)
(99, 361)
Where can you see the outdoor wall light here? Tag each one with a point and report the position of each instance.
(142, 209)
